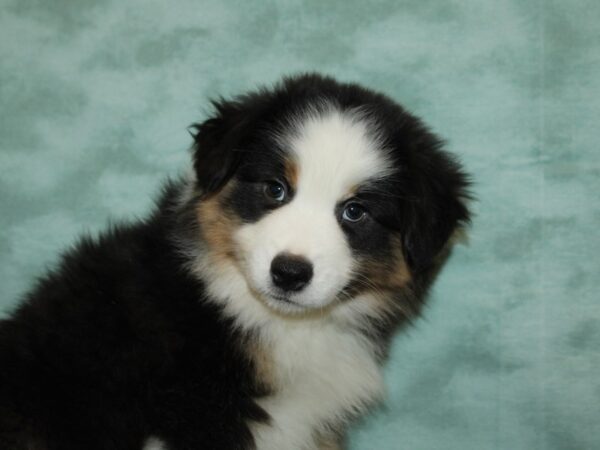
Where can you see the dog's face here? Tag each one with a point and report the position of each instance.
(318, 192)
(305, 227)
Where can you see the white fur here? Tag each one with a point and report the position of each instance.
(324, 368)
(334, 153)
(153, 443)
(322, 373)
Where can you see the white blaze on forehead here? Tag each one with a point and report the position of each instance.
(336, 151)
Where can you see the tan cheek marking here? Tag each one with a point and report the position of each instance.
(217, 229)
(217, 226)
(262, 361)
(391, 274)
(386, 277)
(400, 275)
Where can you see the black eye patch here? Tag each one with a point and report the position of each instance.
(367, 236)
(385, 199)
(374, 234)
(251, 195)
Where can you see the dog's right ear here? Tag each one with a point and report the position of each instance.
(216, 154)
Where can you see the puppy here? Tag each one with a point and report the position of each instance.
(253, 307)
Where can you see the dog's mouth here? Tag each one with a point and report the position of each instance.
(289, 305)
(285, 303)
(282, 302)
(285, 298)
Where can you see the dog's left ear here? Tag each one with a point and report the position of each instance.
(437, 204)
(217, 140)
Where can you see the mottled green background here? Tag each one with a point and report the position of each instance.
(95, 97)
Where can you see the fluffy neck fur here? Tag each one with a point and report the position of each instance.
(321, 369)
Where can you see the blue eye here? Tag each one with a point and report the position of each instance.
(353, 212)
(275, 190)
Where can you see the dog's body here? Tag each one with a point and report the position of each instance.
(253, 308)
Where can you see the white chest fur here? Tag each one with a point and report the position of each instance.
(322, 373)
(323, 370)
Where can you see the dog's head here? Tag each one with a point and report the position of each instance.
(315, 193)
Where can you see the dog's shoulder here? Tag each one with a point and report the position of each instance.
(120, 328)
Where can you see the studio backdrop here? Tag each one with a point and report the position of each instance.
(96, 97)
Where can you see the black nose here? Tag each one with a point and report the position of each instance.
(291, 272)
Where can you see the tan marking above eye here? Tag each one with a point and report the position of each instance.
(350, 193)
(291, 173)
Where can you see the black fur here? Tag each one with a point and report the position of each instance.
(120, 343)
(423, 200)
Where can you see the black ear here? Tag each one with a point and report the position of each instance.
(216, 154)
(436, 205)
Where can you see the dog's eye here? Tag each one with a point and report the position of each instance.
(275, 191)
(353, 212)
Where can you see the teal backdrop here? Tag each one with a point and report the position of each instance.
(96, 95)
